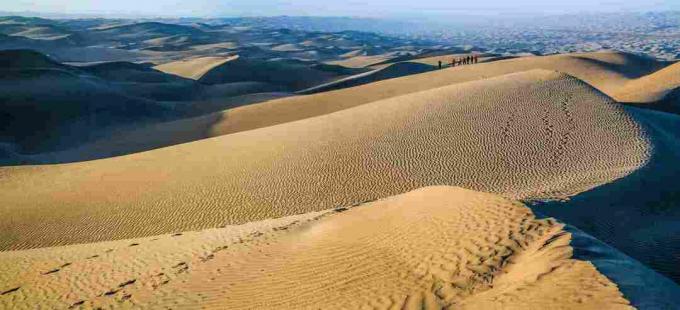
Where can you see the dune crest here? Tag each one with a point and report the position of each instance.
(434, 248)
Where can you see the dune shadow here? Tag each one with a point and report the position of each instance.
(643, 287)
(669, 103)
(632, 69)
(640, 213)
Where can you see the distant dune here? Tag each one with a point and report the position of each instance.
(537, 134)
(194, 68)
(658, 90)
(434, 247)
(389, 72)
(291, 74)
(45, 103)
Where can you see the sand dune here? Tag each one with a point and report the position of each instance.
(431, 248)
(194, 68)
(606, 71)
(44, 107)
(360, 61)
(387, 72)
(658, 90)
(593, 68)
(537, 134)
(292, 74)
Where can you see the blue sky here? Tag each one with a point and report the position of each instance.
(370, 8)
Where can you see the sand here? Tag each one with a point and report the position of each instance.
(194, 68)
(438, 247)
(537, 134)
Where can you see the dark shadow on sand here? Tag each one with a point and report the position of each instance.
(640, 213)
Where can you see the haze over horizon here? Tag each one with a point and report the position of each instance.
(374, 8)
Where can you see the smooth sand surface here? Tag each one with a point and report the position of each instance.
(537, 134)
(193, 68)
(433, 248)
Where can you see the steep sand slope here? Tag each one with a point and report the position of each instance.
(431, 248)
(194, 68)
(534, 134)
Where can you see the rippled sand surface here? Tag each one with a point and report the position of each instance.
(433, 248)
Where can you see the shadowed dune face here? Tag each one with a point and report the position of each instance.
(531, 135)
(45, 108)
(434, 247)
(638, 213)
(294, 75)
(653, 88)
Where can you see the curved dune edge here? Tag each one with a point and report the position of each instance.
(436, 247)
(536, 134)
(193, 68)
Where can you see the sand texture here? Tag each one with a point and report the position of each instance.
(538, 134)
(433, 248)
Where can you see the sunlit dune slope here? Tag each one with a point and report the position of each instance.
(534, 134)
(194, 68)
(435, 247)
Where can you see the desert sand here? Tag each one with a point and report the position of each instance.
(433, 248)
(281, 175)
(537, 134)
(329, 170)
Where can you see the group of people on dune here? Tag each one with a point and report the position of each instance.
(471, 59)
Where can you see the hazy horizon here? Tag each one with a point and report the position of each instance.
(375, 8)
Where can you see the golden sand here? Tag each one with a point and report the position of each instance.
(433, 248)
